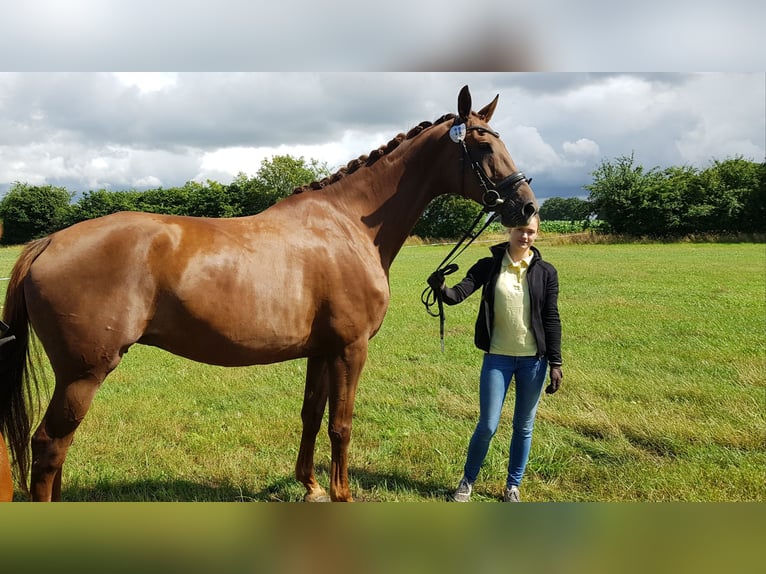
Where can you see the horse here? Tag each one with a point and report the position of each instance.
(239, 291)
(6, 476)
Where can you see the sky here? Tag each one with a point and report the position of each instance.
(382, 68)
(103, 130)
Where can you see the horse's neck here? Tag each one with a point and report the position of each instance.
(394, 193)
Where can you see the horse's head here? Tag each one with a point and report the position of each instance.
(489, 174)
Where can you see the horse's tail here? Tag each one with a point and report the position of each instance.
(19, 391)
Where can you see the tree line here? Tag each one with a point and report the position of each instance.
(31, 211)
(728, 196)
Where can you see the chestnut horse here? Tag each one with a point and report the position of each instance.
(307, 277)
(6, 478)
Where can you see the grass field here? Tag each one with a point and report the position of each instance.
(663, 396)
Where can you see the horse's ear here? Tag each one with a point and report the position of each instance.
(486, 112)
(464, 103)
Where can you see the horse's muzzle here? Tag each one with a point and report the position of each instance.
(512, 205)
(513, 214)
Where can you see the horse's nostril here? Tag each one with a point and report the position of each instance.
(529, 210)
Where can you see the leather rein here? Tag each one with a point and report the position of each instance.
(494, 195)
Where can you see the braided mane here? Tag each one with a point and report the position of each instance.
(373, 156)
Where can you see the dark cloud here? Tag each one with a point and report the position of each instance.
(211, 110)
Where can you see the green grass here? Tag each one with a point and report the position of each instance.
(663, 396)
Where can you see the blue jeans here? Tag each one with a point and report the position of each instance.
(496, 374)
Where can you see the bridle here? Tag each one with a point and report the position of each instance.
(494, 195)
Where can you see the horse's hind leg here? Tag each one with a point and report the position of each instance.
(52, 438)
(314, 402)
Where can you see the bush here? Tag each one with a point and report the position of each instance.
(726, 197)
(568, 209)
(29, 212)
(562, 227)
(95, 204)
(447, 217)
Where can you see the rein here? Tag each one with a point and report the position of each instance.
(430, 296)
(491, 199)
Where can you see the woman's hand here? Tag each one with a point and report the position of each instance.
(556, 376)
(436, 280)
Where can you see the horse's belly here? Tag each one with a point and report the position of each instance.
(230, 339)
(225, 353)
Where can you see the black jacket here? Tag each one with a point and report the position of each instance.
(543, 283)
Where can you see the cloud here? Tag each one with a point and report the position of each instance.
(582, 150)
(147, 82)
(224, 163)
(81, 168)
(91, 130)
(723, 123)
(532, 151)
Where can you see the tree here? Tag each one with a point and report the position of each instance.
(726, 197)
(657, 206)
(754, 212)
(29, 212)
(446, 217)
(275, 179)
(102, 202)
(170, 201)
(735, 195)
(632, 200)
(565, 209)
(211, 199)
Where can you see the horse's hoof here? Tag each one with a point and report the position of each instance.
(320, 496)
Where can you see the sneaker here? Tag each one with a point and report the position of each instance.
(463, 492)
(511, 494)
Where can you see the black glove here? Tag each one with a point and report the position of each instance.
(436, 280)
(556, 376)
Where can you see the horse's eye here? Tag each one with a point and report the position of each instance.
(485, 147)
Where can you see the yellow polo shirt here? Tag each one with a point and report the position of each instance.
(512, 332)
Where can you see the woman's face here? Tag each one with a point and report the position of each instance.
(523, 236)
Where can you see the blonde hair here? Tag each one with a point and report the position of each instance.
(535, 216)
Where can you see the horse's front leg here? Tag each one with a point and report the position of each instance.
(314, 402)
(344, 372)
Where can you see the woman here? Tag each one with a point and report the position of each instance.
(519, 329)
